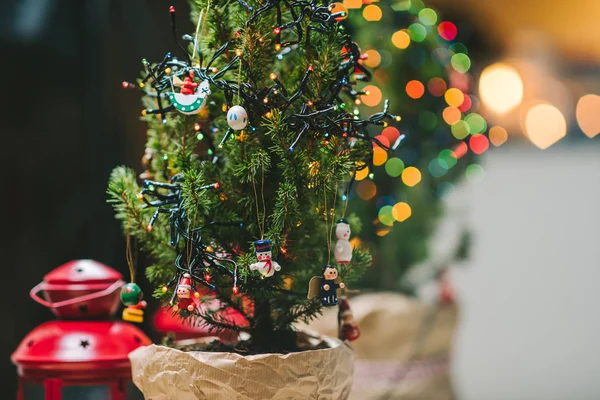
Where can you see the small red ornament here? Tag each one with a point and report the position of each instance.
(189, 86)
(185, 304)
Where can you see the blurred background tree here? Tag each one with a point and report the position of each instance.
(423, 67)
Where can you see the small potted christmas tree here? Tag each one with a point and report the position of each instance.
(253, 142)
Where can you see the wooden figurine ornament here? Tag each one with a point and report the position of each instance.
(185, 302)
(342, 251)
(327, 287)
(265, 265)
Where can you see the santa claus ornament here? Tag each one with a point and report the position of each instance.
(342, 251)
(348, 330)
(327, 287)
(265, 265)
(185, 300)
(191, 97)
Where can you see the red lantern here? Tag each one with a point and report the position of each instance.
(84, 355)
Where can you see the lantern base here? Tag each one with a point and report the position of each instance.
(78, 350)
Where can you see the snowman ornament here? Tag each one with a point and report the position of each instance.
(342, 251)
(265, 265)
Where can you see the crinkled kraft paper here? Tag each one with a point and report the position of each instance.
(163, 373)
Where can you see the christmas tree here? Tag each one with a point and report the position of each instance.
(252, 148)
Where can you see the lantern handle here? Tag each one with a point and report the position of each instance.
(33, 294)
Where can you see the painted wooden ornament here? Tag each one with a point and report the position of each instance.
(327, 287)
(342, 251)
(265, 265)
(189, 101)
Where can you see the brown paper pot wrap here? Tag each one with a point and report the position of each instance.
(163, 373)
(385, 367)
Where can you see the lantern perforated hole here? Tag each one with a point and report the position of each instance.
(80, 270)
(137, 339)
(84, 343)
(83, 309)
(30, 343)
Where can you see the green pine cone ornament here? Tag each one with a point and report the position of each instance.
(131, 294)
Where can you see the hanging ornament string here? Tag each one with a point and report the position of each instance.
(129, 257)
(259, 220)
(328, 228)
(196, 38)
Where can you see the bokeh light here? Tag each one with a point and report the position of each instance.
(415, 89)
(444, 189)
(479, 143)
(417, 32)
(436, 86)
(460, 150)
(411, 176)
(372, 13)
(466, 104)
(447, 30)
(366, 189)
(460, 62)
(379, 156)
(454, 97)
(373, 98)
(476, 123)
(362, 171)
(460, 130)
(381, 139)
(385, 215)
(394, 167)
(401, 211)
(391, 132)
(474, 173)
(545, 125)
(458, 48)
(451, 115)
(353, 3)
(441, 56)
(373, 58)
(400, 39)
(436, 168)
(427, 120)
(498, 135)
(501, 88)
(588, 114)
(447, 158)
(428, 16)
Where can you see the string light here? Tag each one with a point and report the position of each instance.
(238, 52)
(197, 126)
(164, 289)
(273, 76)
(277, 30)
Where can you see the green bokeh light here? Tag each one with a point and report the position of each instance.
(460, 130)
(476, 123)
(394, 167)
(428, 16)
(460, 62)
(417, 32)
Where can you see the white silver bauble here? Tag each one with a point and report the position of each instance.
(237, 118)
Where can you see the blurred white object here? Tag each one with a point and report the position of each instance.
(530, 323)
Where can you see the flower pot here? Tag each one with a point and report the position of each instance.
(163, 373)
